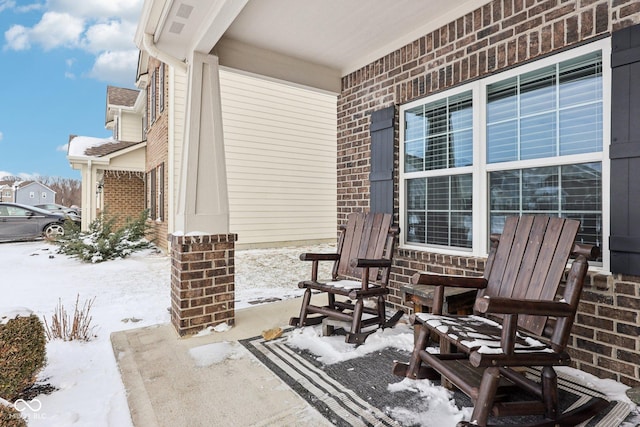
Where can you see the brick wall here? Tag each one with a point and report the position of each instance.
(157, 153)
(202, 281)
(498, 35)
(123, 195)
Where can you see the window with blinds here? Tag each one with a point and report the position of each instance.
(544, 114)
(439, 137)
(527, 141)
(553, 111)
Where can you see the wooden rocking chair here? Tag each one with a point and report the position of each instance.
(519, 322)
(361, 271)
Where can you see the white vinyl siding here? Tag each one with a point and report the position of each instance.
(280, 148)
(177, 111)
(130, 127)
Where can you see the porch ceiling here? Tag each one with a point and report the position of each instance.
(287, 38)
(339, 34)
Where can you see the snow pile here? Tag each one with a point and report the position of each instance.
(210, 354)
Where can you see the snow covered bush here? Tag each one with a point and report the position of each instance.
(103, 241)
(22, 352)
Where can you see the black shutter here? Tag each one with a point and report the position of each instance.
(381, 176)
(624, 152)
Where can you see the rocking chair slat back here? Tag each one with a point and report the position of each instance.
(365, 236)
(529, 262)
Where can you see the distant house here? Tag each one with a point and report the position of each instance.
(26, 192)
(112, 169)
(6, 191)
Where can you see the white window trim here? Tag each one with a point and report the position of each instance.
(480, 169)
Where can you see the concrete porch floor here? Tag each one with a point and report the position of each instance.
(166, 388)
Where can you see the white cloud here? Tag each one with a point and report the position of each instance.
(56, 30)
(97, 9)
(7, 4)
(104, 28)
(1, 136)
(11, 5)
(117, 67)
(17, 38)
(29, 7)
(109, 35)
(62, 148)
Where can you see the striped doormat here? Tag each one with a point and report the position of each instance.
(355, 392)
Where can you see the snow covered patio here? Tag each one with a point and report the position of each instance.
(166, 380)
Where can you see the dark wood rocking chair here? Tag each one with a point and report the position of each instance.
(361, 271)
(518, 322)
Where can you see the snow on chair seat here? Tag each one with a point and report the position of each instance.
(518, 322)
(362, 266)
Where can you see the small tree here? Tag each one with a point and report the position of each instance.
(103, 241)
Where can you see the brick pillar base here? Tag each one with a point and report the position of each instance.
(202, 281)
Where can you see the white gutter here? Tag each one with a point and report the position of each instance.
(150, 46)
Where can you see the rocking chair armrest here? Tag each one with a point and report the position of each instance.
(450, 281)
(370, 263)
(499, 305)
(309, 256)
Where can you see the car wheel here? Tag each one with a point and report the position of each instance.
(54, 230)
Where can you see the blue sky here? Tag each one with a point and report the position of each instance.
(56, 59)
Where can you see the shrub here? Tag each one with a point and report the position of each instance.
(22, 354)
(103, 241)
(69, 328)
(10, 417)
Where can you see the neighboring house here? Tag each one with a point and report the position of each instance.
(153, 80)
(449, 116)
(6, 191)
(28, 193)
(112, 169)
(124, 113)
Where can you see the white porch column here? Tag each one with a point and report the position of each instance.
(89, 200)
(202, 267)
(203, 204)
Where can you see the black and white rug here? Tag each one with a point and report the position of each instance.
(357, 392)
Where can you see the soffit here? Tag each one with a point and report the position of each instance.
(337, 34)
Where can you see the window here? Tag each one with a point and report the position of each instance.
(154, 188)
(526, 141)
(152, 194)
(116, 135)
(161, 88)
(438, 152)
(160, 173)
(152, 99)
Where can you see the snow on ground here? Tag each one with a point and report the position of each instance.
(134, 292)
(129, 293)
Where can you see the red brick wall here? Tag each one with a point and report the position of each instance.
(123, 195)
(498, 35)
(157, 152)
(202, 281)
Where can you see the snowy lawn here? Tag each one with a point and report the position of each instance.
(129, 293)
(134, 292)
